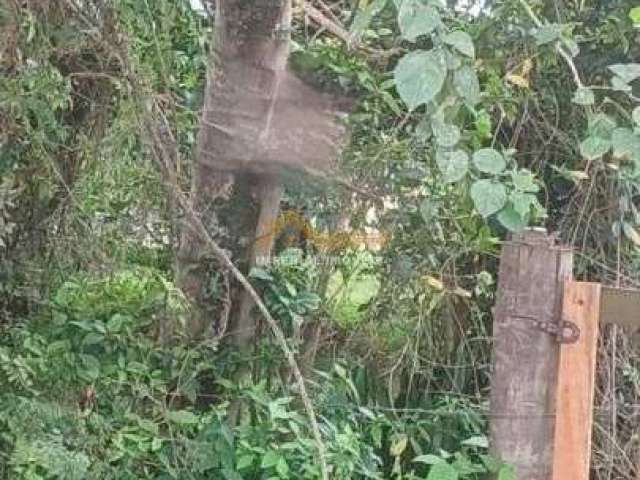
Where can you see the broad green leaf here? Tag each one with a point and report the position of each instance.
(417, 18)
(594, 147)
(488, 196)
(601, 125)
(116, 322)
(584, 96)
(182, 417)
(90, 367)
(282, 468)
(619, 84)
(634, 15)
(364, 16)
(522, 203)
(423, 129)
(156, 444)
(270, 459)
(447, 135)
(419, 77)
(462, 42)
(260, 274)
(626, 144)
(548, 33)
(466, 83)
(92, 338)
(480, 441)
(628, 72)
(453, 165)
(489, 160)
(434, 3)
(442, 471)
(428, 459)
(511, 220)
(524, 181)
(452, 60)
(245, 461)
(636, 116)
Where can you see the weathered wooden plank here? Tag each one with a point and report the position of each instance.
(525, 359)
(576, 384)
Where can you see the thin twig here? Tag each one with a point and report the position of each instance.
(559, 48)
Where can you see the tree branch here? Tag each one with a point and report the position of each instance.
(559, 48)
(164, 161)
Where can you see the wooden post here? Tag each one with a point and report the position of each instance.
(525, 358)
(576, 384)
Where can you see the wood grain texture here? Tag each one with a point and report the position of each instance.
(525, 360)
(576, 384)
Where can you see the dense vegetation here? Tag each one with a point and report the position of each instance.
(468, 122)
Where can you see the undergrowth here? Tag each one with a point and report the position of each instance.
(90, 393)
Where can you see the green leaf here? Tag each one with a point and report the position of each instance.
(619, 84)
(628, 72)
(419, 77)
(156, 444)
(282, 468)
(115, 323)
(462, 42)
(93, 338)
(511, 220)
(90, 367)
(522, 203)
(594, 147)
(416, 18)
(428, 459)
(524, 181)
(453, 165)
(442, 471)
(601, 125)
(270, 459)
(548, 33)
(446, 135)
(636, 115)
(482, 124)
(634, 15)
(488, 196)
(489, 160)
(452, 60)
(480, 441)
(182, 417)
(626, 144)
(260, 274)
(466, 83)
(584, 96)
(364, 16)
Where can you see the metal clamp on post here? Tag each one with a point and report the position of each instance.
(566, 332)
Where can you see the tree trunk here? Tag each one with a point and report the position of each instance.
(249, 61)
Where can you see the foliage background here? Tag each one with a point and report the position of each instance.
(91, 389)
